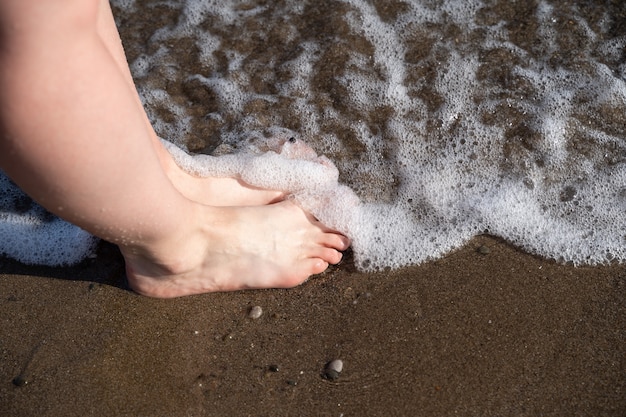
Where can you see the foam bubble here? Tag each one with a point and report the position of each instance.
(444, 120)
(33, 236)
(292, 166)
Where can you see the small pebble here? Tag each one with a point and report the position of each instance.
(484, 250)
(331, 374)
(333, 369)
(336, 365)
(255, 312)
(20, 381)
(273, 368)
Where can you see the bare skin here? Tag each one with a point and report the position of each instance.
(74, 136)
(211, 191)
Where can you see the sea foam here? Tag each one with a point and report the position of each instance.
(443, 118)
(31, 235)
(439, 120)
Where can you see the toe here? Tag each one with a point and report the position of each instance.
(307, 267)
(292, 280)
(328, 255)
(318, 266)
(336, 241)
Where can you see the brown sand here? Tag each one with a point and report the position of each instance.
(473, 334)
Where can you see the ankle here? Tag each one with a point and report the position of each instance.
(172, 251)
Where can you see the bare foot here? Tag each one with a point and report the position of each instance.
(227, 191)
(272, 246)
(220, 192)
(213, 191)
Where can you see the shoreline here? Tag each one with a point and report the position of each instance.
(478, 332)
(487, 330)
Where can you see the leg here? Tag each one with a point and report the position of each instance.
(231, 191)
(75, 139)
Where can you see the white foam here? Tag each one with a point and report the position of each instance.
(424, 196)
(292, 168)
(432, 174)
(33, 236)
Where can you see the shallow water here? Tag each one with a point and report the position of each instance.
(32, 235)
(448, 119)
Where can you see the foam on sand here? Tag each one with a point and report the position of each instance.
(33, 236)
(438, 120)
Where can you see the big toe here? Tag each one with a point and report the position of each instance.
(307, 267)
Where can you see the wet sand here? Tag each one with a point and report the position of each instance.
(481, 332)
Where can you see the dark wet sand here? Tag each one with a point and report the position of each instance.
(473, 334)
(497, 334)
